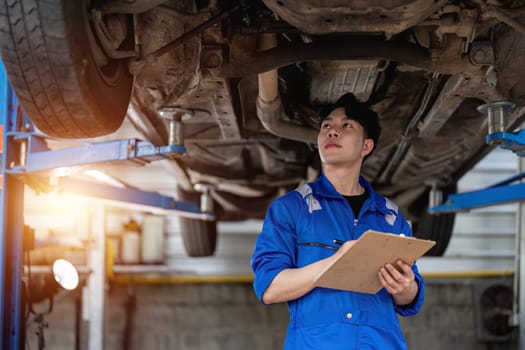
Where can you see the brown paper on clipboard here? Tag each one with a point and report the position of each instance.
(357, 269)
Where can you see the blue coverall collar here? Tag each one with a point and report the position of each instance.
(325, 188)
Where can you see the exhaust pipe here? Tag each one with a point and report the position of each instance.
(269, 107)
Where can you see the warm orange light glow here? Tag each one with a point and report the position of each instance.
(104, 178)
(63, 171)
(56, 214)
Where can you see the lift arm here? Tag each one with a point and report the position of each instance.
(139, 199)
(35, 156)
(493, 195)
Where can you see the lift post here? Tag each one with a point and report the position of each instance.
(11, 227)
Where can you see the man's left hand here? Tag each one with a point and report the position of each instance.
(400, 282)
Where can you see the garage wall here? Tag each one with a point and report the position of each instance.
(228, 317)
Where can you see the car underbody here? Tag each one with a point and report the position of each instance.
(245, 82)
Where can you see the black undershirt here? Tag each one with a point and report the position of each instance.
(356, 202)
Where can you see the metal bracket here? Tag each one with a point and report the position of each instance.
(206, 198)
(513, 141)
(497, 114)
(176, 116)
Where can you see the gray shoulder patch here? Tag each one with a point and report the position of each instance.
(391, 218)
(306, 192)
(391, 205)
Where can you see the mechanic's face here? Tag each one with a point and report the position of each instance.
(341, 140)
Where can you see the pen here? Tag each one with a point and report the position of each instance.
(337, 241)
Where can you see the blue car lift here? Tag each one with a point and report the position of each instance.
(503, 191)
(26, 160)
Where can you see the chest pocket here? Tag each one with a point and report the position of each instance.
(310, 251)
(317, 244)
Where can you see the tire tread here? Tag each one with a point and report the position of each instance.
(36, 52)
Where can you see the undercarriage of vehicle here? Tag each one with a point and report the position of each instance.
(245, 80)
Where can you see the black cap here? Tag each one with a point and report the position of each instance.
(358, 111)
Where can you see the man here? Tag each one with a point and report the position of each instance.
(297, 242)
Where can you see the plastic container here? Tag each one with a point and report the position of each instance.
(130, 244)
(152, 239)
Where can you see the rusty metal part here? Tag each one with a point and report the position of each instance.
(268, 81)
(446, 103)
(372, 16)
(330, 80)
(126, 6)
(136, 66)
(108, 40)
(349, 49)
(503, 16)
(482, 53)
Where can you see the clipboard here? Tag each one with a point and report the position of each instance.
(357, 269)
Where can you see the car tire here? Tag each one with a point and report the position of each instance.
(49, 50)
(199, 236)
(437, 228)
